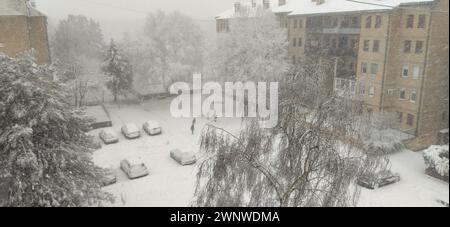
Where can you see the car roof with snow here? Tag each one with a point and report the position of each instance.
(134, 161)
(153, 124)
(109, 131)
(131, 127)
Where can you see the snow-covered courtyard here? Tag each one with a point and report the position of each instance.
(170, 184)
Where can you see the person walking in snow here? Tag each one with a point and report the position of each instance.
(193, 126)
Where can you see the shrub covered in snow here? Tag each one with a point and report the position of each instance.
(436, 159)
(380, 142)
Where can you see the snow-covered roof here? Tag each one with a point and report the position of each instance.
(17, 8)
(306, 7)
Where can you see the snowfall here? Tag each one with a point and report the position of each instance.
(170, 184)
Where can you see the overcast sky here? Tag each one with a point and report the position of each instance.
(119, 16)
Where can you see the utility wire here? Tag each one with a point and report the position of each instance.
(90, 2)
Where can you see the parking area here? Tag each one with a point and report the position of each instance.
(169, 184)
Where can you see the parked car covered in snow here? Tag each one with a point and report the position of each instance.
(131, 131)
(110, 177)
(134, 168)
(152, 128)
(183, 157)
(108, 136)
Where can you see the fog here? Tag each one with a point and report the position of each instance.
(126, 16)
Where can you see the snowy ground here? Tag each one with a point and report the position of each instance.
(170, 184)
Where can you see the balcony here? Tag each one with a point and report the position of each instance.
(339, 30)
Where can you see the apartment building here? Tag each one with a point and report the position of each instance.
(23, 28)
(392, 55)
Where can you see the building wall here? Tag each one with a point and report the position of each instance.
(22, 33)
(434, 104)
(372, 79)
(39, 39)
(297, 37)
(14, 35)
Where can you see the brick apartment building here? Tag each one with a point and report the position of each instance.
(23, 28)
(390, 54)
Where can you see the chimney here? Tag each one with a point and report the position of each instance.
(281, 2)
(237, 7)
(266, 4)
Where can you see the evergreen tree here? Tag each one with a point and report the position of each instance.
(119, 71)
(45, 154)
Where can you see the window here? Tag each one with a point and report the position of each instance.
(295, 23)
(410, 21)
(371, 91)
(402, 94)
(355, 22)
(294, 42)
(413, 97)
(334, 43)
(400, 117)
(337, 83)
(300, 23)
(373, 68)
(363, 67)
(366, 45)
(369, 22)
(293, 60)
(422, 21)
(410, 120)
(405, 71)
(378, 21)
(419, 47)
(376, 46)
(353, 43)
(390, 91)
(416, 72)
(300, 42)
(407, 46)
(343, 42)
(362, 89)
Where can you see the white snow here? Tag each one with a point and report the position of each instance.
(170, 184)
(305, 7)
(416, 189)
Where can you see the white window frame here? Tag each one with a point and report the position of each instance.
(416, 72)
(390, 91)
(371, 91)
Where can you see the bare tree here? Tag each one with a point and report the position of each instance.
(310, 159)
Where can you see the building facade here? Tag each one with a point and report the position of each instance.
(390, 55)
(23, 28)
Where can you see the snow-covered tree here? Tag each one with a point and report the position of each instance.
(45, 154)
(169, 49)
(309, 159)
(254, 49)
(77, 46)
(118, 70)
